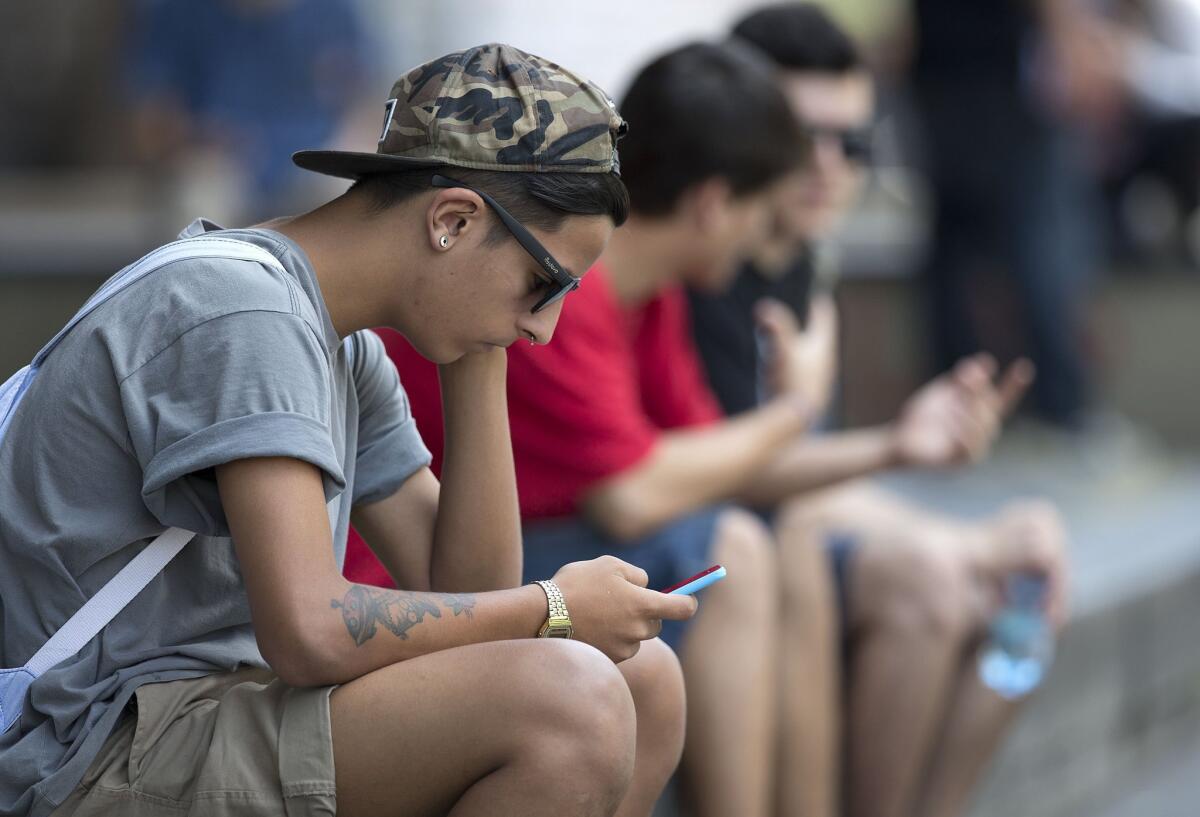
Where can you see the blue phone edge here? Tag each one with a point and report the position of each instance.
(700, 583)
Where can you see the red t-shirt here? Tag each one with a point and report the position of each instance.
(588, 405)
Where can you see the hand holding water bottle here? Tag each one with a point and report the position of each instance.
(1029, 566)
(1020, 644)
(1030, 538)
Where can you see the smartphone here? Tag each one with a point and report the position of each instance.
(698, 582)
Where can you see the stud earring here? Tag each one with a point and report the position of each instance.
(444, 241)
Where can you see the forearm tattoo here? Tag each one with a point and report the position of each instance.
(364, 608)
(460, 603)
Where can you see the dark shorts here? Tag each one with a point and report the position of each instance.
(669, 555)
(840, 548)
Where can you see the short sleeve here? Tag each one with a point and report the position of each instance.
(674, 387)
(247, 384)
(390, 449)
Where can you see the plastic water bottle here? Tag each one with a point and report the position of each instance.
(1020, 645)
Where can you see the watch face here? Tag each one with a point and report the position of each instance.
(559, 631)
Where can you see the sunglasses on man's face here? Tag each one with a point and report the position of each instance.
(561, 282)
(855, 142)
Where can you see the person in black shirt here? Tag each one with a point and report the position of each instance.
(913, 589)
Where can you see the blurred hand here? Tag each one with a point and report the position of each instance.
(612, 610)
(800, 362)
(1028, 536)
(955, 418)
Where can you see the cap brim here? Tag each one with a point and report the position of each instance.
(349, 165)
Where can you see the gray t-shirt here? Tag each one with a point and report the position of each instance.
(200, 363)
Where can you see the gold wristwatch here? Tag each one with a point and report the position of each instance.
(558, 622)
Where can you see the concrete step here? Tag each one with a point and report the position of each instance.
(1170, 790)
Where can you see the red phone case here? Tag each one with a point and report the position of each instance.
(691, 579)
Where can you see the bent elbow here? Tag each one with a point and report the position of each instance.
(299, 660)
(622, 512)
(289, 667)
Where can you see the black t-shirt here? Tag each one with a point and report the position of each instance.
(723, 327)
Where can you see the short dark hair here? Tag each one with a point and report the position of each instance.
(701, 111)
(800, 37)
(542, 200)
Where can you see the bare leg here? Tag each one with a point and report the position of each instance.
(921, 727)
(977, 717)
(810, 673)
(864, 509)
(976, 720)
(909, 602)
(656, 682)
(911, 621)
(728, 665)
(515, 728)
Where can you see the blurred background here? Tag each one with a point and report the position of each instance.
(1031, 193)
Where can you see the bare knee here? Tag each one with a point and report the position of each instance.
(805, 580)
(916, 588)
(655, 681)
(837, 506)
(743, 544)
(584, 718)
(519, 717)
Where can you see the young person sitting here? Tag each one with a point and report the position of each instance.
(230, 393)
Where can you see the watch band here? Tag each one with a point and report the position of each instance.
(558, 605)
(558, 620)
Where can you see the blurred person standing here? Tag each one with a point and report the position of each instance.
(883, 713)
(223, 91)
(1003, 89)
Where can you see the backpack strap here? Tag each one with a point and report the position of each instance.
(202, 246)
(109, 600)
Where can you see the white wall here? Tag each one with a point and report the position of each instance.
(604, 41)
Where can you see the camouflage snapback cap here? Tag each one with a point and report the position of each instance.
(492, 107)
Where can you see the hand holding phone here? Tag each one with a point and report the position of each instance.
(698, 582)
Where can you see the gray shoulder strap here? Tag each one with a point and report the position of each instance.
(120, 590)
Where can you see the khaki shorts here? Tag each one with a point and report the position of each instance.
(226, 745)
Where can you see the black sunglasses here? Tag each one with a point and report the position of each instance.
(856, 143)
(561, 281)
